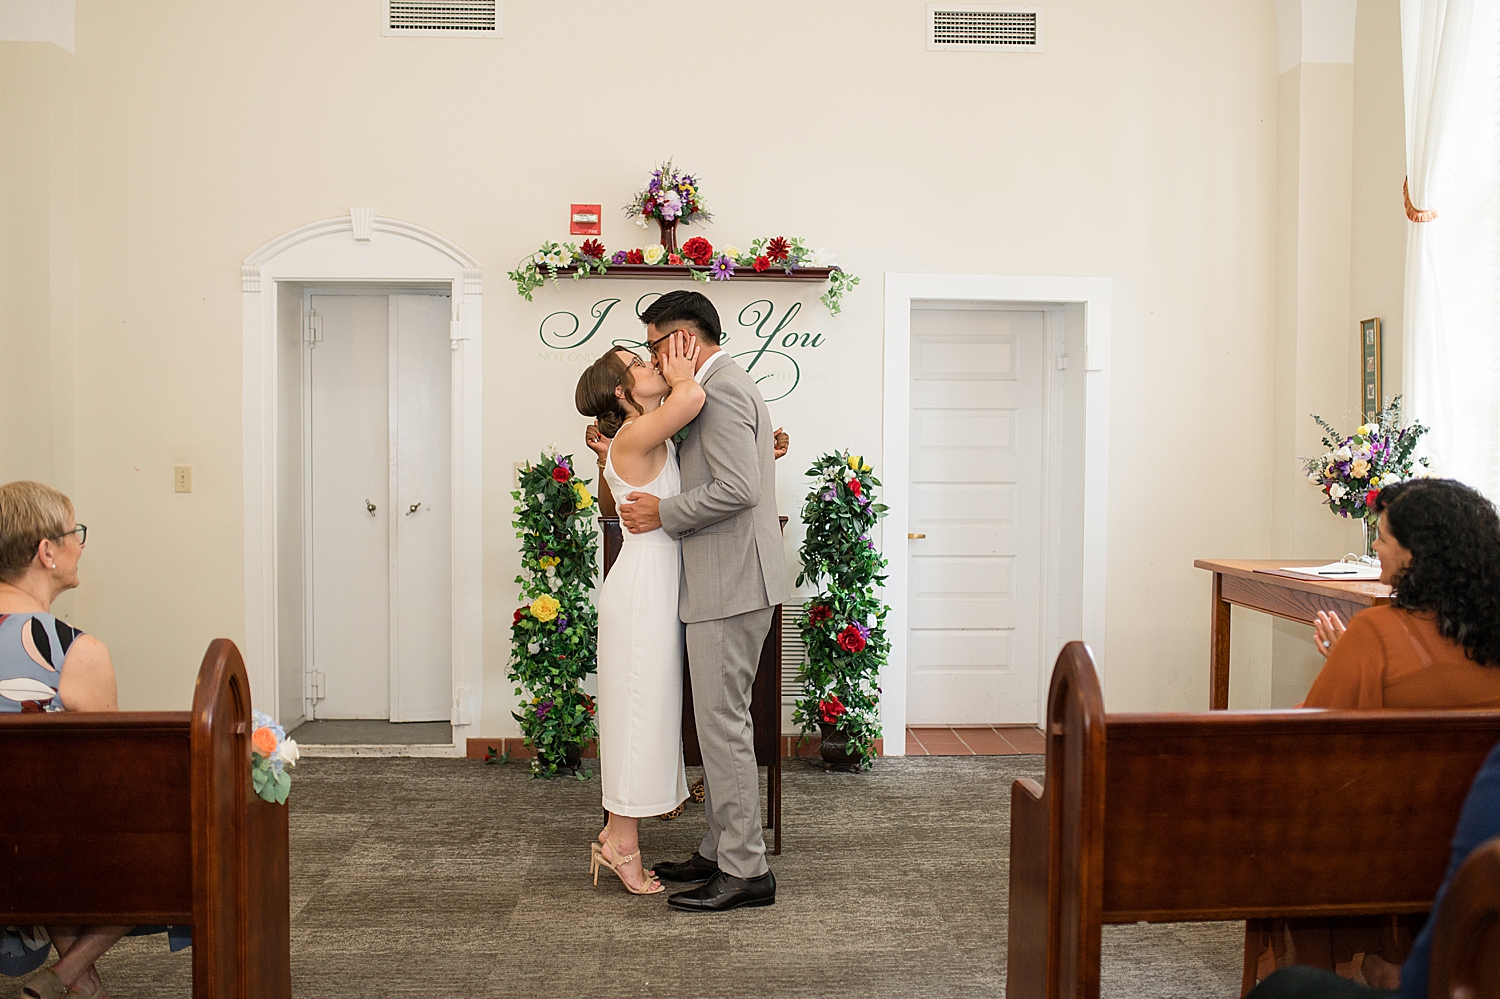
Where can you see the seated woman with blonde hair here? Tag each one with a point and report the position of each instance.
(47, 665)
(1435, 646)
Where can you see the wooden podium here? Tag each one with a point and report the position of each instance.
(765, 700)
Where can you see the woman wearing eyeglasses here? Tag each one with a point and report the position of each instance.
(48, 665)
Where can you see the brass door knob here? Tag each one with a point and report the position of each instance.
(911, 536)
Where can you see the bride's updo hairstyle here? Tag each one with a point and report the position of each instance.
(595, 395)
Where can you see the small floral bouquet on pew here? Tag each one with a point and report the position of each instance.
(271, 752)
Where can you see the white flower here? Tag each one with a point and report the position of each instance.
(534, 648)
(1337, 491)
(823, 257)
(1342, 454)
(565, 255)
(640, 221)
(1315, 477)
(654, 253)
(539, 258)
(288, 752)
(732, 252)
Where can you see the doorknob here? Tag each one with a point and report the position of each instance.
(910, 537)
(370, 507)
(412, 509)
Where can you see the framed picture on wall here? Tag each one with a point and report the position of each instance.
(1369, 368)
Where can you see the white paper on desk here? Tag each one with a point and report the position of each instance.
(1341, 571)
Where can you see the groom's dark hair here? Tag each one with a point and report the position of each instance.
(685, 306)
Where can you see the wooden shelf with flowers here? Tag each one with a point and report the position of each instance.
(671, 198)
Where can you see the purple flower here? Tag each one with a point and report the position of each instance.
(723, 268)
(562, 623)
(830, 495)
(863, 631)
(619, 258)
(542, 709)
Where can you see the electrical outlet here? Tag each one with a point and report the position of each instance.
(182, 478)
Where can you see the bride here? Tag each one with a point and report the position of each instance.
(640, 637)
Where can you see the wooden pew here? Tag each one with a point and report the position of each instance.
(1223, 816)
(1466, 941)
(141, 817)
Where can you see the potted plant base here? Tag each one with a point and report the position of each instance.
(835, 749)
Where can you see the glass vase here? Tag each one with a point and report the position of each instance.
(668, 234)
(1371, 531)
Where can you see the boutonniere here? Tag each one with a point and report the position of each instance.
(681, 435)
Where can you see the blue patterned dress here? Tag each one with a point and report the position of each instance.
(33, 647)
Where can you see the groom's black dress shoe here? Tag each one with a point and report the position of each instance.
(724, 892)
(695, 868)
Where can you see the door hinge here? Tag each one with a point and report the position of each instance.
(312, 329)
(316, 685)
(1062, 362)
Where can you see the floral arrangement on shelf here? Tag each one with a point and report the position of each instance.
(698, 255)
(669, 197)
(271, 752)
(554, 632)
(844, 624)
(1356, 467)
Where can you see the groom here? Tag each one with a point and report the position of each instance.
(733, 576)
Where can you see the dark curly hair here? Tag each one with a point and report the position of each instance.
(1453, 535)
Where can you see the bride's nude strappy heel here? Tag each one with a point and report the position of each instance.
(596, 852)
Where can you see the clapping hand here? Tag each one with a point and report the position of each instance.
(783, 442)
(1329, 629)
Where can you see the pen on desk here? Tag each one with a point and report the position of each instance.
(1337, 572)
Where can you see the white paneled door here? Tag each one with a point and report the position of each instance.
(978, 413)
(377, 437)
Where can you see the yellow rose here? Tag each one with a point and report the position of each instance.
(544, 607)
(1360, 468)
(1365, 430)
(585, 498)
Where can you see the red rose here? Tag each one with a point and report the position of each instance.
(854, 486)
(592, 248)
(673, 258)
(700, 250)
(778, 249)
(850, 640)
(560, 474)
(1370, 498)
(635, 256)
(521, 612)
(818, 613)
(762, 262)
(831, 710)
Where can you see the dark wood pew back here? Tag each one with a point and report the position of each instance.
(1224, 815)
(148, 817)
(1466, 941)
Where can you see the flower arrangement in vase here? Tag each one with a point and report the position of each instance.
(1355, 467)
(271, 752)
(554, 631)
(844, 626)
(669, 197)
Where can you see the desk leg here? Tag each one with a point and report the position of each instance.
(1219, 648)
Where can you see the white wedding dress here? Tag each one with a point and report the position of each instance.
(640, 663)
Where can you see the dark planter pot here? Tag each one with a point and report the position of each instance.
(572, 759)
(835, 748)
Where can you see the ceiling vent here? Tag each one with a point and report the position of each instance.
(442, 17)
(970, 26)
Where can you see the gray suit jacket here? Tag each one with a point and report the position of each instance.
(732, 559)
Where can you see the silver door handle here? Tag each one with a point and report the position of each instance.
(412, 509)
(370, 507)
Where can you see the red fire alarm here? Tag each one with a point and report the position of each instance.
(583, 220)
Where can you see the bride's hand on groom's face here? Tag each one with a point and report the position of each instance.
(640, 512)
(679, 359)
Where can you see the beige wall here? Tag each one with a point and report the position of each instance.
(1141, 146)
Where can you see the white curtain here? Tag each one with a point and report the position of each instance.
(1451, 331)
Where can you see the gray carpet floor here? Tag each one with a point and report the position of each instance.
(371, 732)
(428, 877)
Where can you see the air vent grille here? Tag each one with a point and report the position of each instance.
(993, 28)
(793, 651)
(442, 17)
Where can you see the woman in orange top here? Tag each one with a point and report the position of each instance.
(1436, 645)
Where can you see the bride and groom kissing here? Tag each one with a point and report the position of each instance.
(700, 565)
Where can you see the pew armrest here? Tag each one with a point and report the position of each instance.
(1467, 935)
(1026, 945)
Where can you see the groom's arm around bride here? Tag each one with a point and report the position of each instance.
(733, 573)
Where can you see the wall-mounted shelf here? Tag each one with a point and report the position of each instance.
(683, 272)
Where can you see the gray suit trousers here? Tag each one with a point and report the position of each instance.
(723, 655)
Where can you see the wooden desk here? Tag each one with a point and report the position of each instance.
(765, 700)
(1256, 584)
